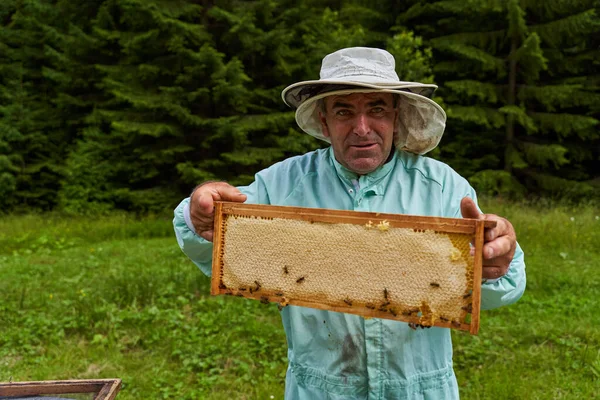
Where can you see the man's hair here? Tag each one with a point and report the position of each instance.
(321, 102)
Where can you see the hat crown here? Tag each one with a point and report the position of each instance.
(360, 63)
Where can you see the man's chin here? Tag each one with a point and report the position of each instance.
(363, 166)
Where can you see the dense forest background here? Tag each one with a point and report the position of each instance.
(129, 104)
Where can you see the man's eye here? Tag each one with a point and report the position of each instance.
(377, 110)
(342, 113)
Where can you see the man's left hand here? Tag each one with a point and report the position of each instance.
(499, 242)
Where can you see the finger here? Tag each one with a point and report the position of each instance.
(468, 209)
(495, 254)
(208, 235)
(501, 228)
(205, 202)
(499, 247)
(493, 272)
(202, 223)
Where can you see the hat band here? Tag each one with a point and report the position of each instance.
(365, 78)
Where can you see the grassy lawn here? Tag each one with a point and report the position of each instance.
(114, 297)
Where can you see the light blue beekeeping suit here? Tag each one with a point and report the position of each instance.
(343, 356)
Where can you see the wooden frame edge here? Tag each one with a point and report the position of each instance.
(477, 276)
(106, 389)
(365, 313)
(109, 391)
(449, 225)
(217, 247)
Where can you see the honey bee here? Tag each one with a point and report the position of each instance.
(300, 280)
(347, 301)
(443, 319)
(383, 226)
(264, 299)
(468, 308)
(370, 306)
(386, 303)
(456, 324)
(286, 270)
(242, 289)
(385, 293)
(433, 284)
(411, 311)
(393, 312)
(257, 288)
(466, 296)
(279, 294)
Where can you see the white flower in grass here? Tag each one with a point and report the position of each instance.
(572, 218)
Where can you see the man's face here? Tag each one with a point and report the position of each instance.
(361, 129)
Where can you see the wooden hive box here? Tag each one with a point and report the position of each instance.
(97, 389)
(407, 268)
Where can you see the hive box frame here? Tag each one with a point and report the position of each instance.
(472, 227)
(103, 389)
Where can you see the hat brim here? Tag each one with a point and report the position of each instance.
(296, 94)
(420, 125)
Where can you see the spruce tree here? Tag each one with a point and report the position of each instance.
(31, 149)
(157, 61)
(566, 107)
(194, 96)
(495, 76)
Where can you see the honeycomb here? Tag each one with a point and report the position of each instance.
(422, 276)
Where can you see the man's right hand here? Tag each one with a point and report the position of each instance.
(202, 205)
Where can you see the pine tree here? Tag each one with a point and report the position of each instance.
(494, 71)
(566, 108)
(195, 96)
(129, 149)
(73, 55)
(30, 148)
(11, 111)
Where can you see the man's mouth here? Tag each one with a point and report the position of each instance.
(365, 146)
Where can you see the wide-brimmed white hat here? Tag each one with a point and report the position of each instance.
(421, 121)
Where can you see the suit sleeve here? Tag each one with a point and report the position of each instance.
(507, 289)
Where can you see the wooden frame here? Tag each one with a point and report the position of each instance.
(104, 389)
(472, 227)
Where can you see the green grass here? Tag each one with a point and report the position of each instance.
(115, 297)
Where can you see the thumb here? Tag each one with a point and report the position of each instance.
(207, 194)
(228, 193)
(468, 209)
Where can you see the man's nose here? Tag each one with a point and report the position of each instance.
(361, 126)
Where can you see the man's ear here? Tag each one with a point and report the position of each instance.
(324, 127)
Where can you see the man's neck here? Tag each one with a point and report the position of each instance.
(389, 158)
